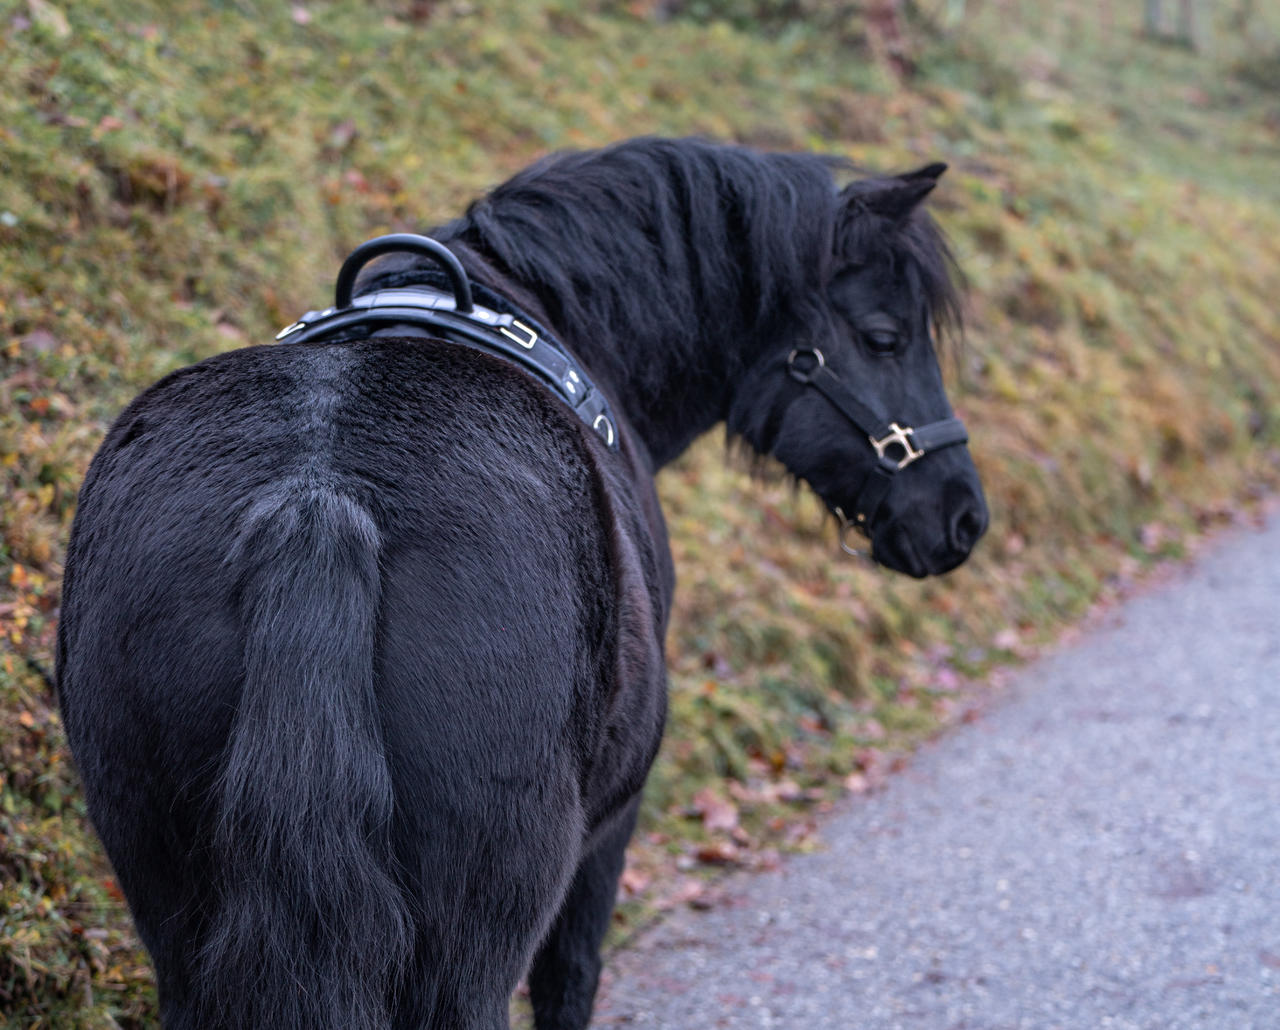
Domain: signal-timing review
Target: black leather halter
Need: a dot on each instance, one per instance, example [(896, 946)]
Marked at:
[(422, 310), (896, 446)]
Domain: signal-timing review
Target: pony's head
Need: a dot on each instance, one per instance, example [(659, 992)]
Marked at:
[(861, 414)]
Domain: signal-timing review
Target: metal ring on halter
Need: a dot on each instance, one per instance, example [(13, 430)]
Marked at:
[(847, 524), (800, 375)]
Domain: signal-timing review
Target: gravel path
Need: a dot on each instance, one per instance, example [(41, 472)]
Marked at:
[(1100, 850)]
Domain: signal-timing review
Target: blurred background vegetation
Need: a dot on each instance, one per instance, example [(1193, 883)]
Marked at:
[(181, 178)]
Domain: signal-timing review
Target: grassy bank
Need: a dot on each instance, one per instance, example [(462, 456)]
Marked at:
[(180, 179)]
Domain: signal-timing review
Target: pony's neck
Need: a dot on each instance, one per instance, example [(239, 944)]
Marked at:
[(669, 391), (669, 396)]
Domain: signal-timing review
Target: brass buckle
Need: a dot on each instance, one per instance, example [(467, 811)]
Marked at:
[(901, 436)]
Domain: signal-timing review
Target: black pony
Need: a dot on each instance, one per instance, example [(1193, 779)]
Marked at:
[(361, 652)]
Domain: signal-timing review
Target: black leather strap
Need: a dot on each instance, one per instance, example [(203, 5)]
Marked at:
[(828, 384), (428, 312), (875, 488), (945, 433), (896, 445)]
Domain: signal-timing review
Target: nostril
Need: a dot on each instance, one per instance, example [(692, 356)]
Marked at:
[(967, 525)]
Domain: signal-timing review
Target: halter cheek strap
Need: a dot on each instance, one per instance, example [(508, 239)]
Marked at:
[(896, 446)]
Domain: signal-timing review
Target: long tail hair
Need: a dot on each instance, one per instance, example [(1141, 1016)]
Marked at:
[(309, 927)]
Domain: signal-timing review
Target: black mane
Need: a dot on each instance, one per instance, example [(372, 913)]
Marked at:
[(693, 254)]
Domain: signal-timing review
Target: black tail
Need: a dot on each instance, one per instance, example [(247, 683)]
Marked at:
[(310, 928)]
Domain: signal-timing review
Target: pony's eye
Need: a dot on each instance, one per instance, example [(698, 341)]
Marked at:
[(882, 341)]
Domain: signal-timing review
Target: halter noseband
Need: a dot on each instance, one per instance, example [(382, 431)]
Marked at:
[(896, 446)]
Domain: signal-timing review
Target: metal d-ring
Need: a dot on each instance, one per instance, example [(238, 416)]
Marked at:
[(604, 427), (846, 524), (801, 375)]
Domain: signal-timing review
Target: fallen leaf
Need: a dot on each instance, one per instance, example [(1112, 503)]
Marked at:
[(717, 812), (634, 881), (688, 891), (41, 341), (719, 852), (107, 123)]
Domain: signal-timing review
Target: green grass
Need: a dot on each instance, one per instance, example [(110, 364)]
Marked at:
[(180, 179)]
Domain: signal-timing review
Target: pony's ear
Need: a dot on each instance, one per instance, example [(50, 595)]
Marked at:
[(894, 199), (931, 171)]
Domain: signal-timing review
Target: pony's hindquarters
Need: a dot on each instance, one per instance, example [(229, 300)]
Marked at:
[(347, 684), (233, 758), (488, 739)]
